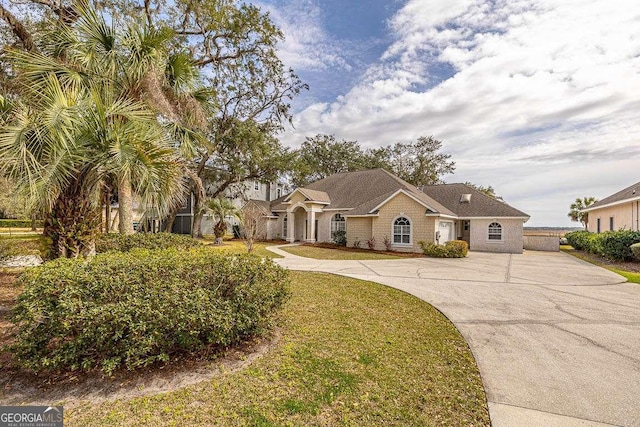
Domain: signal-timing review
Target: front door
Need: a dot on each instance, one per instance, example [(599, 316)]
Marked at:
[(466, 231)]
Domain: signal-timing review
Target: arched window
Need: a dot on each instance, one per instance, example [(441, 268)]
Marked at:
[(402, 231), (495, 231), (284, 227), (338, 223)]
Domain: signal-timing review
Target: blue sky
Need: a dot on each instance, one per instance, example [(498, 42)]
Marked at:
[(538, 98)]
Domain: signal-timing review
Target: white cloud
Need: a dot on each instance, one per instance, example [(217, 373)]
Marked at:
[(540, 89), (307, 44)]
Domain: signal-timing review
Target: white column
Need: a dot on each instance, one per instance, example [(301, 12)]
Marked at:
[(291, 227), (311, 233)]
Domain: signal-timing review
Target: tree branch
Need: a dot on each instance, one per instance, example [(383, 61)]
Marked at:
[(18, 29)]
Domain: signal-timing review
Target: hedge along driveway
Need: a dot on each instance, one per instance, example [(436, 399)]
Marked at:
[(555, 338)]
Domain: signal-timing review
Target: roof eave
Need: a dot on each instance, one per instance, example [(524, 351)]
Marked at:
[(607, 205)]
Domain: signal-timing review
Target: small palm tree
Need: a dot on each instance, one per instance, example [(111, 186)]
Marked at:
[(576, 208), (221, 209)]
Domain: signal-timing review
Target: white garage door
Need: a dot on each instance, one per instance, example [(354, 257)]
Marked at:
[(446, 232)]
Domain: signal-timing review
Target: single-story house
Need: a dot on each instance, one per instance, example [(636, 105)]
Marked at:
[(617, 212), (375, 204)]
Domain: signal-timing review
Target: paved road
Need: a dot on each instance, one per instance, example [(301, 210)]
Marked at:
[(557, 340)]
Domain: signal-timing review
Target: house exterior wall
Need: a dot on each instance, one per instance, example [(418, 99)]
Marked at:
[(272, 230), (512, 241), (422, 227), (358, 229), (625, 216)]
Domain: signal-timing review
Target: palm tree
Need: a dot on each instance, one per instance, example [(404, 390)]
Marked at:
[(577, 207), (83, 118), (221, 209)]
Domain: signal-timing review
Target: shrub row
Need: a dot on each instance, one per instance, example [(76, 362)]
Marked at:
[(451, 249), (615, 245), (128, 310), (19, 223), (124, 243)]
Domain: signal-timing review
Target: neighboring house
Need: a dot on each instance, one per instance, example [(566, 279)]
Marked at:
[(376, 204), (238, 193), (616, 212)]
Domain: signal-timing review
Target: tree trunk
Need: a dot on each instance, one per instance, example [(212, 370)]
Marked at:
[(198, 213), (33, 221), (125, 202), (107, 211), (168, 225), (73, 223)]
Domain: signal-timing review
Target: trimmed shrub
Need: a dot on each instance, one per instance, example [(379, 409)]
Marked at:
[(126, 242), (357, 244), (387, 243), (451, 249), (19, 223), (128, 310), (584, 241), (339, 237), (616, 245), (635, 249), (371, 243)]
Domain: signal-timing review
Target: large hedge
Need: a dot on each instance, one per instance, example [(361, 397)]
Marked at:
[(615, 245), (126, 242), (127, 310)]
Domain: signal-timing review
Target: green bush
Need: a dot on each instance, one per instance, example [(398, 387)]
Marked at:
[(451, 249), (126, 242), (635, 249), (616, 245), (339, 237), (128, 310), (585, 241), (19, 223)]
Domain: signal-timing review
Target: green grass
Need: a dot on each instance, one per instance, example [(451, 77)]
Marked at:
[(631, 276), (32, 244), (342, 254), (352, 353), (238, 246)]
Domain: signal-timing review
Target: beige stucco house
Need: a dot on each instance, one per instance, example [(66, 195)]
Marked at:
[(619, 211), (375, 204)]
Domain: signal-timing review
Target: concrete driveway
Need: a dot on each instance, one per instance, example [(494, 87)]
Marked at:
[(557, 340)]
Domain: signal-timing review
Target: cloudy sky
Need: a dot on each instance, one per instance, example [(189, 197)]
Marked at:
[(540, 99)]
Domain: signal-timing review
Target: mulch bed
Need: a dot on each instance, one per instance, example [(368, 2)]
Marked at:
[(632, 266), (368, 251)]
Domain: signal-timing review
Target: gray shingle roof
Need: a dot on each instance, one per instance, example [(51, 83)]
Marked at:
[(359, 190), (631, 192), (315, 195), (480, 205)]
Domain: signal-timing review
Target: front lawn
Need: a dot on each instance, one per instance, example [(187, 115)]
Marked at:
[(316, 252), (350, 353), (630, 270), (238, 246)]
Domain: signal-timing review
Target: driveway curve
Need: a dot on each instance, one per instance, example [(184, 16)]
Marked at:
[(556, 339)]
